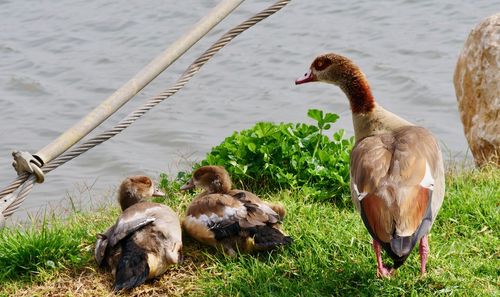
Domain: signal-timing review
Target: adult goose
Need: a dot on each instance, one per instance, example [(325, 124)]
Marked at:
[(396, 168), (145, 239), (232, 219)]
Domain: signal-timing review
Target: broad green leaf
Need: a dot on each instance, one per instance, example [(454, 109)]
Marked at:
[(331, 117), (252, 147), (315, 114)]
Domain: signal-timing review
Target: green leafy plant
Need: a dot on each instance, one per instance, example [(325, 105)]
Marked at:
[(171, 185), (288, 156)]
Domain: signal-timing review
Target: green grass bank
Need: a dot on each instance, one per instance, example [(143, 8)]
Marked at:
[(331, 255)]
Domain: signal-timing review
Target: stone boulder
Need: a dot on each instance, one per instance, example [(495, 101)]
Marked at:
[(477, 86)]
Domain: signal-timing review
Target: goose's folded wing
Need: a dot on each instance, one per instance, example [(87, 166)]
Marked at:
[(393, 177)]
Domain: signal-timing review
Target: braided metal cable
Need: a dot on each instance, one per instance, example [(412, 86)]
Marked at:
[(29, 180)]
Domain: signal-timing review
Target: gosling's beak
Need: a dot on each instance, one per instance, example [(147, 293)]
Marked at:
[(158, 193), (307, 77), (188, 186)]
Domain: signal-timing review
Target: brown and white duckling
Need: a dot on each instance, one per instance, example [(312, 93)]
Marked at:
[(231, 219), (145, 240), (397, 172)]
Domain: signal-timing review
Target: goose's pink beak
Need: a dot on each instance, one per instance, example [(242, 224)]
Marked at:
[(307, 77)]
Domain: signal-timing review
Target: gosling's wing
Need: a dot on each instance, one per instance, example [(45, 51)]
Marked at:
[(102, 244), (131, 220), (259, 212), (212, 217)]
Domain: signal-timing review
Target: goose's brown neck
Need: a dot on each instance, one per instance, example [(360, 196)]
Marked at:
[(359, 94), (368, 117)]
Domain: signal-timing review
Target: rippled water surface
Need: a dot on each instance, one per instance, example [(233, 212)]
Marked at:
[(60, 59)]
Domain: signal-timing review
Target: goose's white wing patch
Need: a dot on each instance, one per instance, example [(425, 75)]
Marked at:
[(428, 180)]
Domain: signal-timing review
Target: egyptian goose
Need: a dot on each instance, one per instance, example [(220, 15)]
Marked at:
[(396, 168), (145, 240), (228, 218)]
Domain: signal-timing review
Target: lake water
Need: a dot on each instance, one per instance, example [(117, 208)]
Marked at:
[(60, 59)]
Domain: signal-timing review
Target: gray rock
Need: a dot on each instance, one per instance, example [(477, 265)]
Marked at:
[(477, 86)]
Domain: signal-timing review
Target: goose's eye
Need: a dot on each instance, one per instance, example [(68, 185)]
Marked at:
[(322, 63)]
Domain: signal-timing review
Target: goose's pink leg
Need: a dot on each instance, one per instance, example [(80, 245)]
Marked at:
[(423, 250), (382, 271)]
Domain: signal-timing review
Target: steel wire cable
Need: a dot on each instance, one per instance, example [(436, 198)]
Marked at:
[(27, 180)]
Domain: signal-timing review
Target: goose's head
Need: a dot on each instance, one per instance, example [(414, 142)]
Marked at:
[(135, 189), (342, 72), (330, 68), (213, 179)]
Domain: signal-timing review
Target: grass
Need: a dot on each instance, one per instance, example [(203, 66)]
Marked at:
[(331, 254)]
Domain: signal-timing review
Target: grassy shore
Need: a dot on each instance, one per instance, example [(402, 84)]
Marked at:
[(331, 254)]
